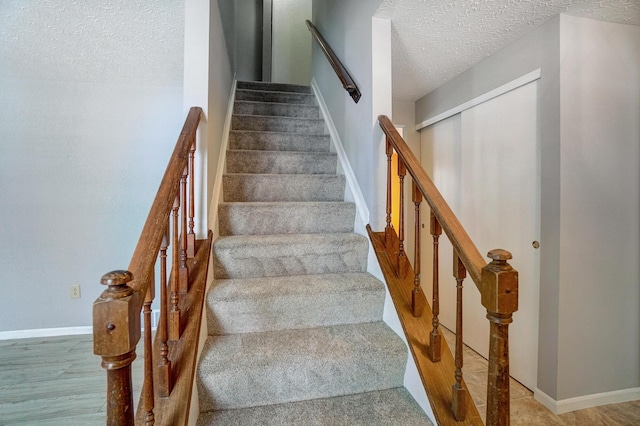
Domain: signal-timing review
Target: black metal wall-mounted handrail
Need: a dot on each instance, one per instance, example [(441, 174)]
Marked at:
[(346, 80)]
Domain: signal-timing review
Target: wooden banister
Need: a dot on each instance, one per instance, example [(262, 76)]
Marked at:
[(117, 312), (497, 282), (469, 253), (346, 80)]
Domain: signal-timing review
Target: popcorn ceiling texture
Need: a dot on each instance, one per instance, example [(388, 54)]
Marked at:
[(140, 41), (434, 41)]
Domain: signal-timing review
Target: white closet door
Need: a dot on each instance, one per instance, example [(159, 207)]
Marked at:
[(440, 156), (485, 162), (500, 209)]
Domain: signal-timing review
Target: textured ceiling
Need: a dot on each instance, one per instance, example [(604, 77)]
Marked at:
[(116, 41), (436, 40)]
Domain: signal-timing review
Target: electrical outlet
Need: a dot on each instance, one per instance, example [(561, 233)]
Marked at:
[(75, 291)]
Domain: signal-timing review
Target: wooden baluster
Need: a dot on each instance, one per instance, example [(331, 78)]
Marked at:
[(458, 402), (164, 366), (500, 297), (418, 300), (435, 338), (149, 418), (174, 313), (116, 332), (388, 230), (191, 236), (403, 263), (184, 270)]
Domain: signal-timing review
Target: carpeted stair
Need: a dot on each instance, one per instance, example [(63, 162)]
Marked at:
[(295, 322)]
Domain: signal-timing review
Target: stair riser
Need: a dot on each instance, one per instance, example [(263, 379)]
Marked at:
[(285, 218), (306, 126), (279, 162), (277, 97), (251, 187), (299, 365), (272, 87), (281, 303), (302, 255), (386, 407), (273, 109), (278, 141)]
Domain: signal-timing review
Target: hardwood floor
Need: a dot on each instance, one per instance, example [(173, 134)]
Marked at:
[(58, 381), (54, 381), (527, 411)]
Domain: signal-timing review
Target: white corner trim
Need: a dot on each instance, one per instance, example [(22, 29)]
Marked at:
[(222, 158), (587, 401), (45, 332), (501, 90), (361, 205)]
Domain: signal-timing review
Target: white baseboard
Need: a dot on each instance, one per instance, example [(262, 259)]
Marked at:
[(45, 332), (65, 331), (587, 401), (222, 158), (352, 183)]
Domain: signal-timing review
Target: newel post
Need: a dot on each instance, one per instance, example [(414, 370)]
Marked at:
[(500, 297), (116, 331)]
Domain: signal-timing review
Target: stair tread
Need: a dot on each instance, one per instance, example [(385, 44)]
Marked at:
[(249, 305), (285, 217), (245, 256), (282, 187), (246, 101), (280, 162), (267, 86), (239, 288), (283, 92), (294, 365), (392, 407)]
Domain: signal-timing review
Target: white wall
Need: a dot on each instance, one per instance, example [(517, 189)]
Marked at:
[(347, 27), (90, 110), (600, 211), (291, 42)]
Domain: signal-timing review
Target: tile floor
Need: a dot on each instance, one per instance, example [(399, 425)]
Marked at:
[(58, 381), (527, 411)]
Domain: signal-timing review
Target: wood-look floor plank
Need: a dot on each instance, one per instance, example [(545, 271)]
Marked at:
[(51, 408)]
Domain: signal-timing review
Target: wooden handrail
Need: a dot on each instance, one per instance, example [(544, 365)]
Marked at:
[(468, 252), (116, 313), (497, 282), (145, 253), (346, 80)]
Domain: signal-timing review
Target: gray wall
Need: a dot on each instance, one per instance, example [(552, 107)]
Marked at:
[(347, 27), (90, 110), (589, 304), (599, 322), (242, 23), (291, 42)]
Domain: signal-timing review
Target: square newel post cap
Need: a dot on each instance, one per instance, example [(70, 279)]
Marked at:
[(499, 284), (116, 316)]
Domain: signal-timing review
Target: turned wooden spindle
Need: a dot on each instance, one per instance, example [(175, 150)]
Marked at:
[(116, 332), (191, 236), (388, 230), (174, 313), (403, 262), (435, 338), (183, 278), (500, 298), (458, 402), (149, 418), (418, 300), (164, 364)]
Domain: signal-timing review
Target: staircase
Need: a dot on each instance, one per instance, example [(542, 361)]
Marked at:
[(294, 320)]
